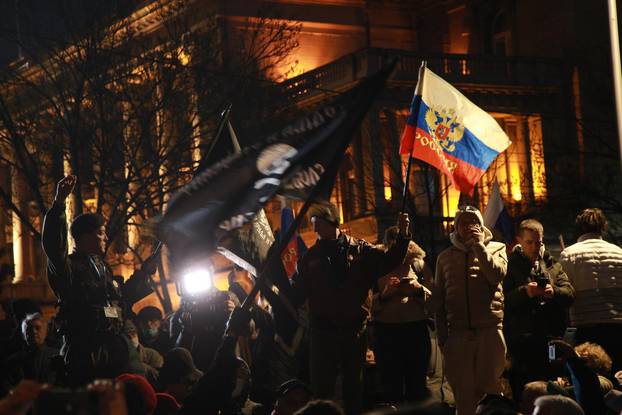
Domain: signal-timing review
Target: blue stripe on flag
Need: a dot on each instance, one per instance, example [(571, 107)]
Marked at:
[(287, 218), (413, 105), (506, 226)]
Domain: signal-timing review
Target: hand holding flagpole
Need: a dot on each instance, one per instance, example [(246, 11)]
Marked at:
[(408, 136)]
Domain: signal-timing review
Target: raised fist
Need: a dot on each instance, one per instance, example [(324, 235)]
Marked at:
[(64, 188)]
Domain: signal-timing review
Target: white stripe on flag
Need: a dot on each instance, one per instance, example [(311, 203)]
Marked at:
[(440, 93), (494, 207)]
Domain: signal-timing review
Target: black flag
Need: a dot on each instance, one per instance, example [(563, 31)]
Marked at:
[(248, 246), (228, 195)]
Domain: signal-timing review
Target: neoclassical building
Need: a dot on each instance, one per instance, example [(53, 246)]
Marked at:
[(530, 64)]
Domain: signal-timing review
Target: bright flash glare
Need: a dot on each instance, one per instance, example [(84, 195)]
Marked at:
[(197, 281)]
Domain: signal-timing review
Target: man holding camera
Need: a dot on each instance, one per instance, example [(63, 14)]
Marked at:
[(537, 297), (468, 302), (91, 303)]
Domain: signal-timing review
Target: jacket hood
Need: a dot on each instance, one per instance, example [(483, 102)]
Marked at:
[(544, 254), (455, 238)]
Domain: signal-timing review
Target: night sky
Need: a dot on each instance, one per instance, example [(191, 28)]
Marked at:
[(8, 51), (45, 21)]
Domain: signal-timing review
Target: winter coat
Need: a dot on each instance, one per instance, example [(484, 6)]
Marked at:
[(399, 308), (467, 291), (337, 280), (525, 315), (594, 267)]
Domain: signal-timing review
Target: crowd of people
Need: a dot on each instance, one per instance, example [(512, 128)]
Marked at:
[(354, 331)]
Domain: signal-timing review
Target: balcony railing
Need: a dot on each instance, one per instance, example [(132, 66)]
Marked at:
[(457, 69)]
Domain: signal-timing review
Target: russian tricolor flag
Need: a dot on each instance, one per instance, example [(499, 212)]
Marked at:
[(496, 216), (449, 132), (295, 247)]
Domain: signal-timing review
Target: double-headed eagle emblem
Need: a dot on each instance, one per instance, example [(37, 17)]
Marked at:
[(445, 127)]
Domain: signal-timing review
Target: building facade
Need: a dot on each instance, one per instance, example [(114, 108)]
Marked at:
[(539, 68)]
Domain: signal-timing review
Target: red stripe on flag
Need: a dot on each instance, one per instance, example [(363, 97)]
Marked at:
[(426, 149), (290, 257), (463, 175), (408, 140)]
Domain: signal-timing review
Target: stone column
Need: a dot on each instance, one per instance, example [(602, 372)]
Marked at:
[(23, 242), (6, 256)]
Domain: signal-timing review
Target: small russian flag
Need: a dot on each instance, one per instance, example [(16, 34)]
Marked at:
[(295, 247), (496, 216), (449, 132)]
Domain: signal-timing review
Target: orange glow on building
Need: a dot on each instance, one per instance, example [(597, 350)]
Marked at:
[(318, 44), (450, 199), (388, 192), (538, 172), (515, 179), (18, 252), (183, 56), (511, 168)]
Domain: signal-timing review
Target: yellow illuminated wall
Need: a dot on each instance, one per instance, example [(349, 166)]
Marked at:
[(450, 198), (538, 172), (458, 31), (386, 172), (520, 170)]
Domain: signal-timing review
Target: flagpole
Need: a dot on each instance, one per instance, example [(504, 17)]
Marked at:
[(415, 111), (615, 63), (261, 281), (224, 119), (234, 138), (282, 243), (331, 170)]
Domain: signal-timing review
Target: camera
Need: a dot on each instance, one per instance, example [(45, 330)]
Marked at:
[(209, 310), (542, 280), (539, 276)]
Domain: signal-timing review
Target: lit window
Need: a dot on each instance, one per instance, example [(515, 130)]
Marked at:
[(450, 197), (388, 193)]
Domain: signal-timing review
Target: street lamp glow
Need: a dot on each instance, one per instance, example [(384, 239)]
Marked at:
[(197, 281)]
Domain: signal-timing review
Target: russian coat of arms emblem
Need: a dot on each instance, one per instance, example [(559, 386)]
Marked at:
[(445, 127)]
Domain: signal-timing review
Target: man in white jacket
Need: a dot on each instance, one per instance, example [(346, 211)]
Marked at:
[(467, 300), (594, 267)]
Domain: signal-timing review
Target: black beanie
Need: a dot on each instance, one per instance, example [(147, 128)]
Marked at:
[(85, 223)]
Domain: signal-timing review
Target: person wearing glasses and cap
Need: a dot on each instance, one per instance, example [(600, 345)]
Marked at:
[(467, 300), (335, 276)]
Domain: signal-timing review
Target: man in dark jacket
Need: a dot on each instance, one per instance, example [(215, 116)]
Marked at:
[(537, 297), (335, 275), (91, 303), (36, 361)]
